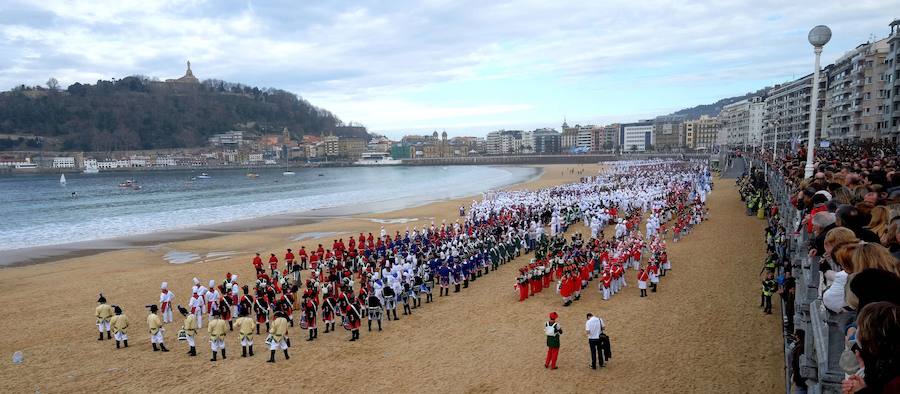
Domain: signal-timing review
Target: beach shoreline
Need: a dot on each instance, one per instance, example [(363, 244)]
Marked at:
[(48, 253)]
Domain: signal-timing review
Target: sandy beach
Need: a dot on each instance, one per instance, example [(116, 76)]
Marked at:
[(702, 332)]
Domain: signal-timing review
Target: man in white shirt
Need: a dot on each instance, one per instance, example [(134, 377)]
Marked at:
[(594, 327)]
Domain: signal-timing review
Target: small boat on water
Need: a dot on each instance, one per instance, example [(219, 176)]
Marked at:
[(252, 175), (127, 183), (288, 173), (377, 159), (62, 179), (203, 175)]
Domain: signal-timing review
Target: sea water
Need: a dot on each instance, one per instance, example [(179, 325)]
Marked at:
[(37, 211)]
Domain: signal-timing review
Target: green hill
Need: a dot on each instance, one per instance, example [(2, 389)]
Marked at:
[(139, 113)]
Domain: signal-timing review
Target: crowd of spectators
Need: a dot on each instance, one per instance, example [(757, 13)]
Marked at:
[(851, 212)]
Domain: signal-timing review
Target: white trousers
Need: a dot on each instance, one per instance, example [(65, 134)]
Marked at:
[(157, 338), (198, 314), (642, 284), (190, 341), (248, 341), (280, 344), (103, 326), (167, 315), (216, 345), (606, 293), (120, 336)]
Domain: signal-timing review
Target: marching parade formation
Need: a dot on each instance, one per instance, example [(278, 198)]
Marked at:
[(371, 276), (663, 192)]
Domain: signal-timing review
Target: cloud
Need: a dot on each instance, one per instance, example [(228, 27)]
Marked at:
[(394, 65)]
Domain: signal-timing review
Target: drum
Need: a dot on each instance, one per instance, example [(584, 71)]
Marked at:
[(303, 323), (269, 340), (182, 335), (347, 325)]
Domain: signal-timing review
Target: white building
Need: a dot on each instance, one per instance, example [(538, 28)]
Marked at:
[(584, 137), (527, 142), (636, 137), (742, 122), (63, 162), (255, 157), (164, 161)]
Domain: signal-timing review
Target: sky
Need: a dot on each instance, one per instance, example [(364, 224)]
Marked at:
[(467, 67)]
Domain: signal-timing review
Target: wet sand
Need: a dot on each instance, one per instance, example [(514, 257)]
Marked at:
[(701, 333)]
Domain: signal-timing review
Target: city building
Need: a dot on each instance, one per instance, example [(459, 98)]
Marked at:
[(584, 137), (855, 94), (351, 148), (742, 122), (434, 146), (568, 137), (787, 111), (636, 137), (545, 141), (891, 79), (610, 136), (228, 139), (64, 162), (668, 133), (701, 134), (504, 142)]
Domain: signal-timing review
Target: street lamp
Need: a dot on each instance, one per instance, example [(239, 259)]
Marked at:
[(818, 37)]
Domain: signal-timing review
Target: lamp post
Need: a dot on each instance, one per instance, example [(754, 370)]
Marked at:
[(818, 37)]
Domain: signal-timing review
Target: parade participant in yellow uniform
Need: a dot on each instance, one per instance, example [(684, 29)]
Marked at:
[(190, 329), (217, 330), (103, 313), (245, 325), (279, 331), (156, 329), (119, 324)]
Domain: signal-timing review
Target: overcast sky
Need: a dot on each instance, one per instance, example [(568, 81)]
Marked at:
[(467, 67)]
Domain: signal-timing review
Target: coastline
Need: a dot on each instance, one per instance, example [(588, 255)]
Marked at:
[(48, 253)]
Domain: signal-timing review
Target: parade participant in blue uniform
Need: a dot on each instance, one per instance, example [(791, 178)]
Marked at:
[(457, 276), (444, 272)]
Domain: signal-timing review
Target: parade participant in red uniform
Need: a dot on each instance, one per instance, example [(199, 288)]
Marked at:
[(258, 264), (643, 276), (607, 284), (553, 330), (310, 313), (522, 284), (289, 259), (303, 256), (273, 263)]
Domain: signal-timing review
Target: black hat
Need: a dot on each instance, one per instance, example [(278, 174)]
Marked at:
[(182, 310), (117, 310), (153, 308), (102, 299)]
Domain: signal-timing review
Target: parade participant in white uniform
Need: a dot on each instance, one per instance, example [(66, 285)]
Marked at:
[(196, 305), (165, 302), (212, 298)]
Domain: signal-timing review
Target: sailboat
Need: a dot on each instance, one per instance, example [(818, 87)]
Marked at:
[(62, 179), (287, 170)]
